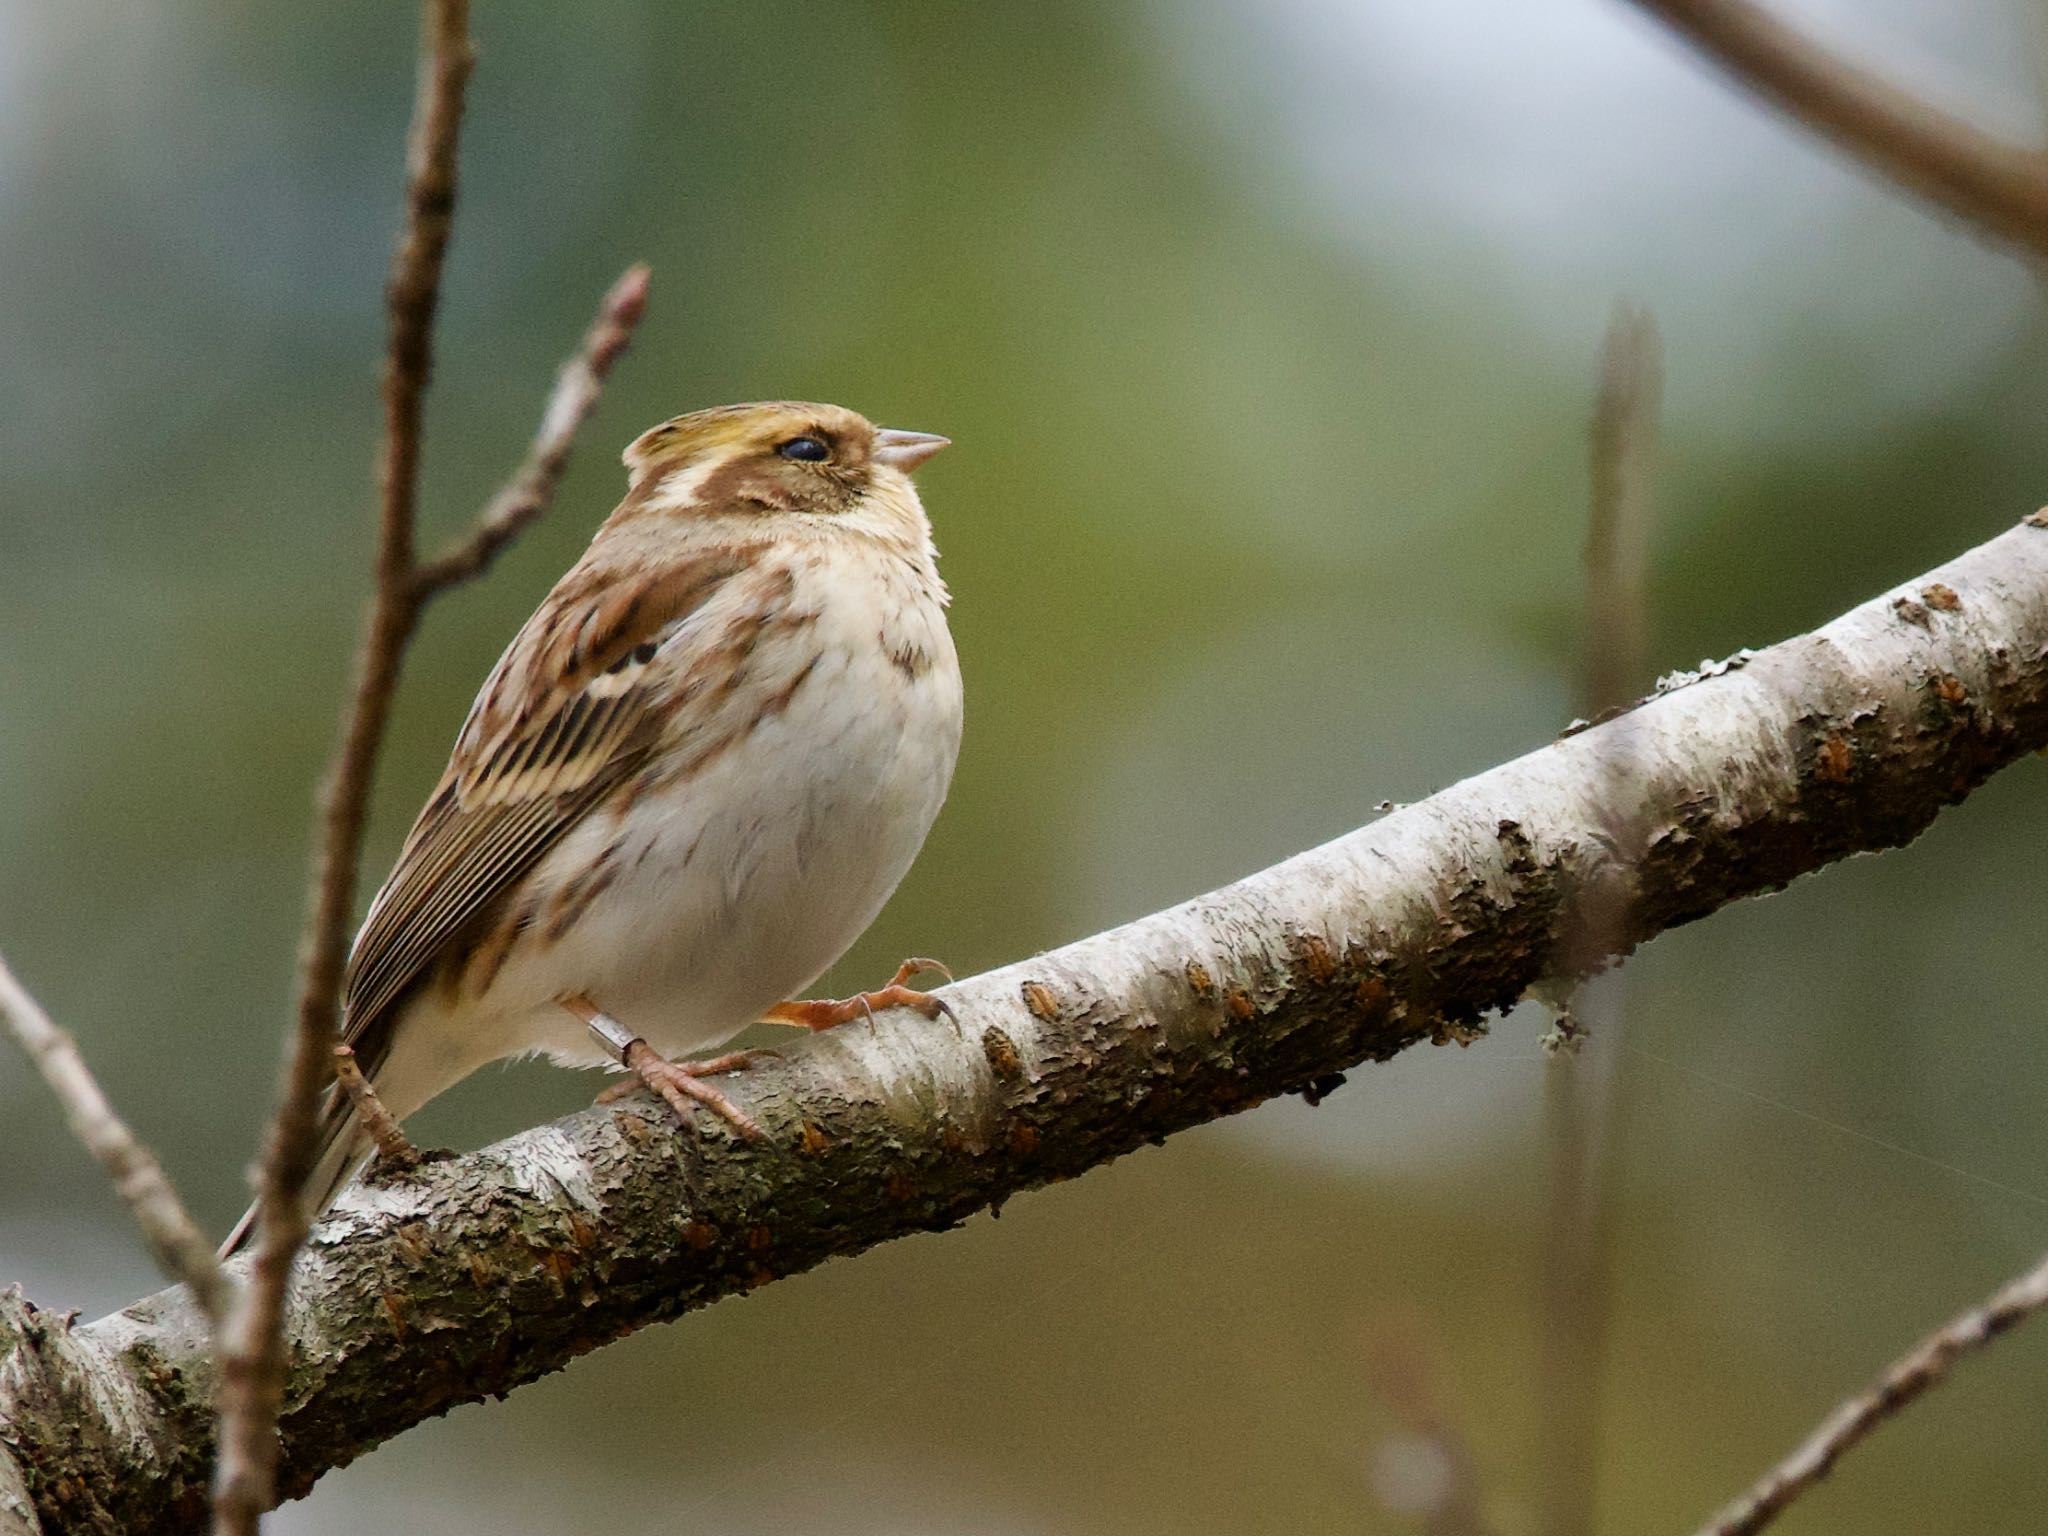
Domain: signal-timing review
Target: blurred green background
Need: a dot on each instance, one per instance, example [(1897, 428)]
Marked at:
[(1266, 331)]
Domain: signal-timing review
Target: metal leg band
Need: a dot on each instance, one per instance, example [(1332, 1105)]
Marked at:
[(612, 1035)]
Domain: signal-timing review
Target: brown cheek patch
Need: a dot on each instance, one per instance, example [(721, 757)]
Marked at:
[(745, 482)]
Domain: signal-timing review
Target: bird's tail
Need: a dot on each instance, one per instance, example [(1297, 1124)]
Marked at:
[(341, 1153)]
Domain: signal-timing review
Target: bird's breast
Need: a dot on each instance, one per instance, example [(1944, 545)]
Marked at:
[(754, 851)]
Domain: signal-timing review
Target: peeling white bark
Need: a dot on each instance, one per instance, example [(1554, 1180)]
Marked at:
[(17, 1514), (475, 1275)]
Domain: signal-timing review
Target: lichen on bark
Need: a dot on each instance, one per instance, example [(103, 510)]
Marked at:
[(475, 1275)]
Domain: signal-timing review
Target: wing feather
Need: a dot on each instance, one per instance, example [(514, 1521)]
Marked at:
[(562, 720)]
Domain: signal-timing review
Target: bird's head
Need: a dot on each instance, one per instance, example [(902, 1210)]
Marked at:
[(773, 456)]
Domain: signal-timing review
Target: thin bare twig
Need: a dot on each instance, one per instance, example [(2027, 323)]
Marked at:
[(533, 484), (252, 1354), (1924, 1366), (180, 1249), (253, 1362), (1999, 188), (1580, 1085), (395, 1150)]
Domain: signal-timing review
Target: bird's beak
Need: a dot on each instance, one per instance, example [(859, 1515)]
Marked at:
[(906, 450)]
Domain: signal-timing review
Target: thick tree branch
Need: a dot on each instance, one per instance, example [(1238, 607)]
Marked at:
[(476, 1275), (2000, 188), (17, 1510), (1927, 1364)]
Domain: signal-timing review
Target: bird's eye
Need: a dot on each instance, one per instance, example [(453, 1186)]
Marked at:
[(809, 449)]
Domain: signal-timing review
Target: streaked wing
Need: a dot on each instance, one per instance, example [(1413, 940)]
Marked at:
[(562, 720)]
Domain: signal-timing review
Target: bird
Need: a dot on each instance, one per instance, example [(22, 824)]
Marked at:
[(689, 784)]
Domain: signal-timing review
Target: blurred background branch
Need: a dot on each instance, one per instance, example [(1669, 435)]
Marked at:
[(1582, 1076), (1926, 1365), (488, 1271), (1614, 659), (1424, 1472), (1998, 189)]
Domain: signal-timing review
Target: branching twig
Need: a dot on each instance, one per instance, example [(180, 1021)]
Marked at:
[(252, 1355), (532, 486), (395, 1151), (181, 1251), (1925, 1365), (1580, 1081), (252, 1365), (2000, 188)]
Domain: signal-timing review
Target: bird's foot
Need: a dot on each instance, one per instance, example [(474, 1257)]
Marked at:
[(680, 1083), (826, 1013), (731, 1061)]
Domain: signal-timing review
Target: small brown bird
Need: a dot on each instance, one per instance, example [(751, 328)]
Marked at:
[(689, 784)]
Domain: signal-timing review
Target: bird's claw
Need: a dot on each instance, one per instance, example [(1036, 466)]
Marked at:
[(826, 1013)]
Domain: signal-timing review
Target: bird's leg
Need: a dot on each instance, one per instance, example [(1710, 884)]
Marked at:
[(679, 1082), (824, 1013)]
